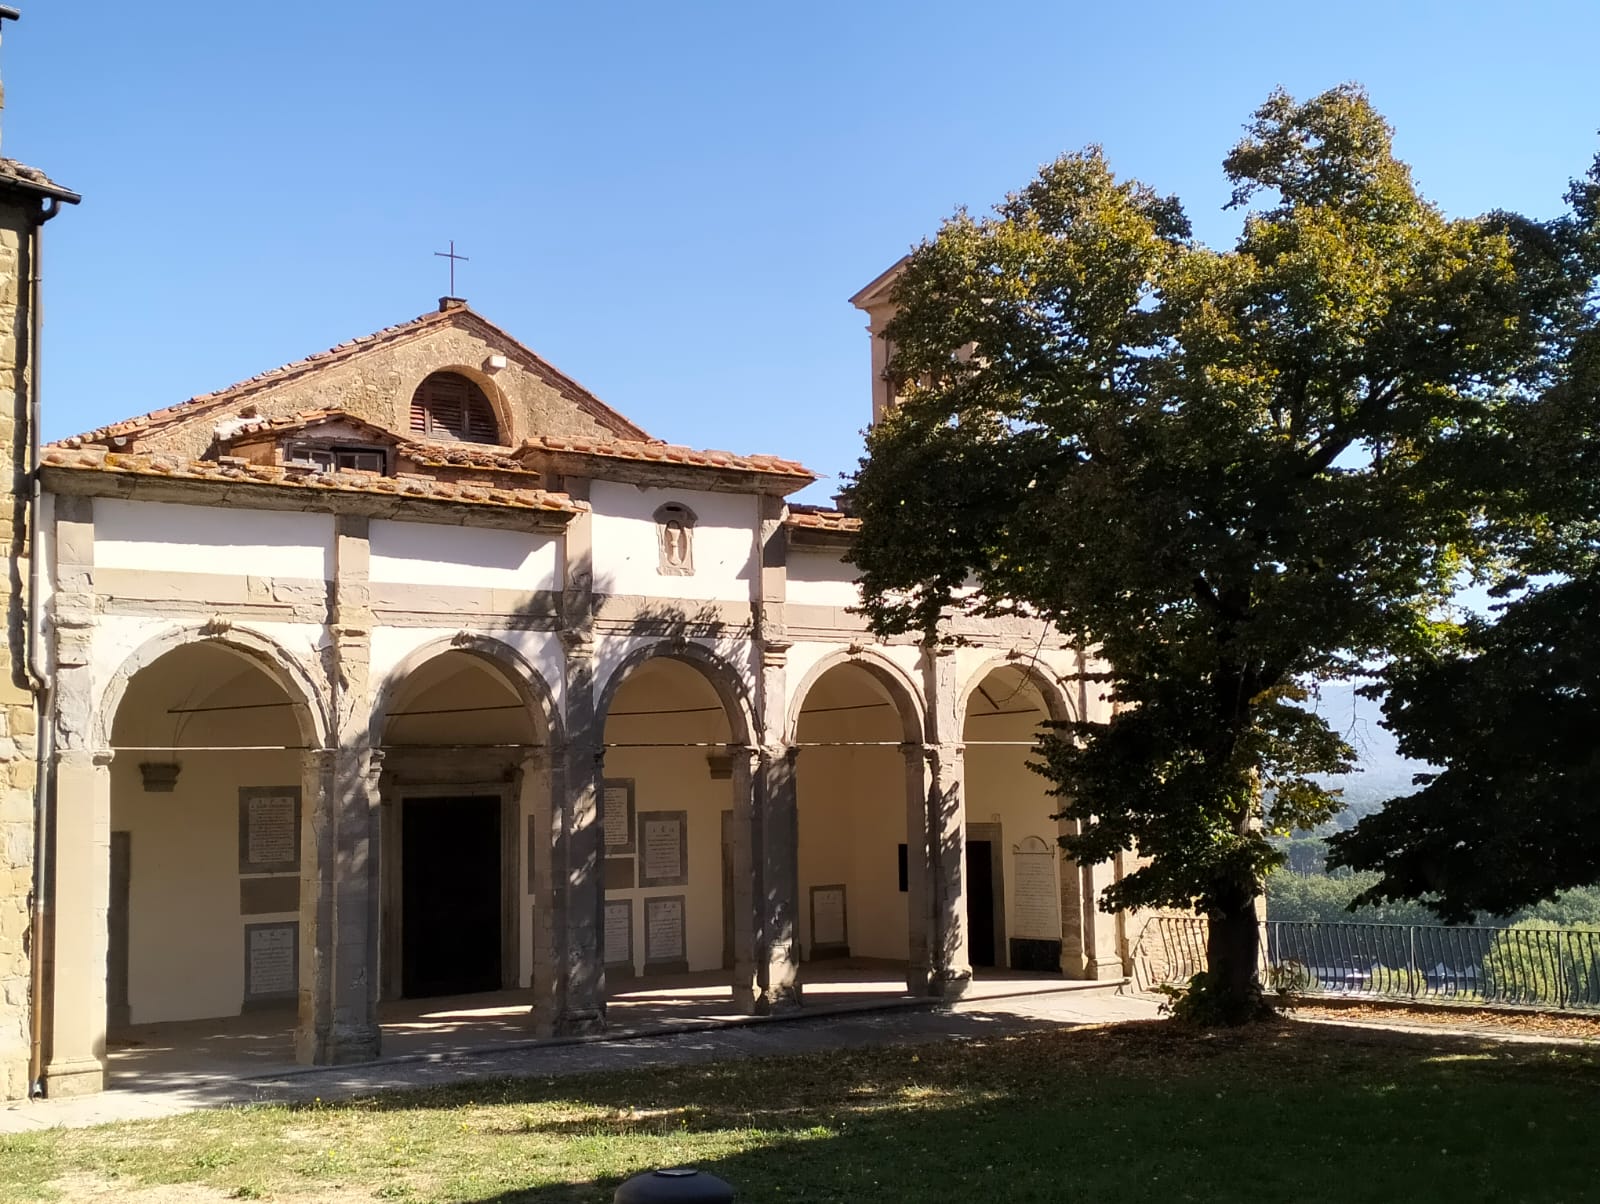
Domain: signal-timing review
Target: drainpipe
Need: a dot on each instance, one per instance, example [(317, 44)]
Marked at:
[(41, 674)]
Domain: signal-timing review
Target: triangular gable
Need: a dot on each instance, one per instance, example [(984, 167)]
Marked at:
[(364, 379)]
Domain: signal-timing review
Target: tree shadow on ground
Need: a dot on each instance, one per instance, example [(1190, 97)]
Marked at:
[(1287, 1110)]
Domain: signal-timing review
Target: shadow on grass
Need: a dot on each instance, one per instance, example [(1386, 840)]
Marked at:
[(1284, 1110)]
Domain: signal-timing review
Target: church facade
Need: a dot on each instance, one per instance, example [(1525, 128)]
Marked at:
[(414, 669)]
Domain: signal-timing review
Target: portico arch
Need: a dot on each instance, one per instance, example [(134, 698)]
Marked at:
[(1024, 898), (464, 728), (677, 748), (208, 734), (863, 856)]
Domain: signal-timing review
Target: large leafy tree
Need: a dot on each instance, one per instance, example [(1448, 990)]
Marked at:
[(1511, 712), (1232, 473)]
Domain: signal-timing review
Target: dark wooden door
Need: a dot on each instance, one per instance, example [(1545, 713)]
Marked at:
[(450, 896), (727, 890), (118, 1010), (980, 903)]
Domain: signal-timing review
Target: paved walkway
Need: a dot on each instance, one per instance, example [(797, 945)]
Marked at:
[(896, 1022)]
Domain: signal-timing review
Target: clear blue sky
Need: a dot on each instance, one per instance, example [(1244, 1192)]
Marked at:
[(672, 202)]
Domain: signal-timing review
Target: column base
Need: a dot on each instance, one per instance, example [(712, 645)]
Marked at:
[(579, 1024), (949, 985), (74, 1076), (339, 1046), (1103, 969)]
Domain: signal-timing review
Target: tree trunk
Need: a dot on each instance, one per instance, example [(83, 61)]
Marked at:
[(1233, 950)]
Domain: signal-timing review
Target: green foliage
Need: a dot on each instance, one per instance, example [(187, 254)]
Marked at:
[(1514, 817), (1232, 473), (1539, 968), (1328, 899), (1206, 1000), (1511, 710)]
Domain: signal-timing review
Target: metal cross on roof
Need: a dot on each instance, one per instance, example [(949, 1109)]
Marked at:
[(452, 257)]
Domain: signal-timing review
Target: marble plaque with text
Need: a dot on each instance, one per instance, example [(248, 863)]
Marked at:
[(663, 848), (269, 829), (616, 815), (829, 926), (1035, 897), (619, 933), (664, 931), (271, 962)]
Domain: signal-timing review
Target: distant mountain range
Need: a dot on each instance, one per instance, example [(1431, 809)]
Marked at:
[(1384, 773)]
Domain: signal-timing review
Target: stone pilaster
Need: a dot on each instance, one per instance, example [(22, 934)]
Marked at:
[(919, 872), (772, 913), (538, 790), (338, 1020), (76, 1058), (579, 888), (79, 886)]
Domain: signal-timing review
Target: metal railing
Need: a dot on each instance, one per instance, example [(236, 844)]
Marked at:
[(1541, 968)]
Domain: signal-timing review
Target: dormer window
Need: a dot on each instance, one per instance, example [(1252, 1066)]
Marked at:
[(331, 457), (448, 405)]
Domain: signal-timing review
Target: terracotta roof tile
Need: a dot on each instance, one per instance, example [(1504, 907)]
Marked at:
[(821, 518), (629, 449), (34, 180), (291, 477)]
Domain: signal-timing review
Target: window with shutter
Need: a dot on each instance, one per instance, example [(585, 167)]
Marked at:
[(449, 406)]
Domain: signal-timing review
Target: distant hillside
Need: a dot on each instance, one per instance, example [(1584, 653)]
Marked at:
[(1384, 773)]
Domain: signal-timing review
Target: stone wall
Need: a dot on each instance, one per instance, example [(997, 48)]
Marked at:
[(376, 385), (17, 728)]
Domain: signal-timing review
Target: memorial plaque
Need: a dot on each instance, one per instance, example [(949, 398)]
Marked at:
[(830, 931), (616, 814), (664, 948), (619, 934), (663, 848), (1036, 900), (269, 829), (271, 962)]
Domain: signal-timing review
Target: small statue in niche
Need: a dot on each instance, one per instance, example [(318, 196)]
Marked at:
[(675, 537)]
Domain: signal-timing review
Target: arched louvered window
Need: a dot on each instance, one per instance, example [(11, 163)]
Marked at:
[(449, 406)]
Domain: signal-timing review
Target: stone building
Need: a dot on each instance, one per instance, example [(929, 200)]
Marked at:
[(28, 199), (415, 669)]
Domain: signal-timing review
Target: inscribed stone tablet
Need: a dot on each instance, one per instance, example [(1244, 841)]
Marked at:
[(828, 916), (663, 848), (619, 933), (269, 829), (271, 960), (616, 814), (1036, 902), (663, 929)]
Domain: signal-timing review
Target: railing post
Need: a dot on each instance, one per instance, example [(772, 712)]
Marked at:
[(1411, 958)]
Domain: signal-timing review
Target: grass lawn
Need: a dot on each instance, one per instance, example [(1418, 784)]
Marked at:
[(1146, 1111)]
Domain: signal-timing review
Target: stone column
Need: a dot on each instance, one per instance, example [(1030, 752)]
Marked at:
[(339, 901), (539, 793), (76, 1059), (919, 872), (949, 964), (773, 873), (79, 885), (776, 878)]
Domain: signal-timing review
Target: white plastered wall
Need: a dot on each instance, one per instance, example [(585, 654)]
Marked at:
[(626, 550), (427, 554), (819, 577), (199, 539)]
